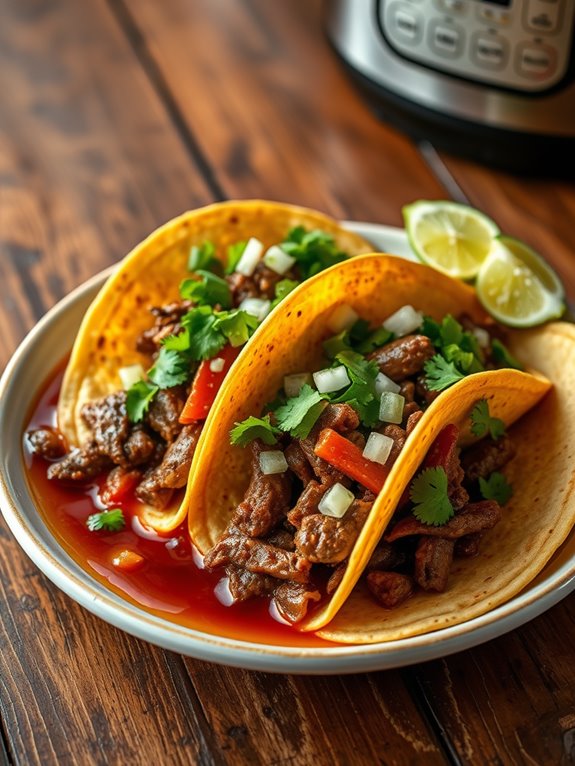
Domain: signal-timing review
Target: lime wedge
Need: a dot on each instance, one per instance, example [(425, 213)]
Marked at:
[(453, 238), (517, 287)]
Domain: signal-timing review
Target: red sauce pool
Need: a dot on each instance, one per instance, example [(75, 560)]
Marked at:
[(170, 584)]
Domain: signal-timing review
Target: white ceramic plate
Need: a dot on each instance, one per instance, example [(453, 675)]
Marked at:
[(51, 339)]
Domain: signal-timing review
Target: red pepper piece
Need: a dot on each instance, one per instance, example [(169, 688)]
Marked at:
[(206, 386), (347, 458)]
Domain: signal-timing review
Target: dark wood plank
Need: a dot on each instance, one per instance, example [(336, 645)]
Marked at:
[(286, 123)]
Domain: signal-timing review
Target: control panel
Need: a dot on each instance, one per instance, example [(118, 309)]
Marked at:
[(519, 44)]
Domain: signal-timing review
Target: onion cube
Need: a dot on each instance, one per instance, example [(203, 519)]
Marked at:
[(277, 260), (273, 461), (293, 384), (403, 321), (383, 383), (378, 447), (131, 374), (258, 307), (336, 501), (342, 318), (217, 364), (250, 257), (331, 379), (482, 336), (391, 407)]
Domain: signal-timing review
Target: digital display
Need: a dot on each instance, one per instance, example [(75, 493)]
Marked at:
[(505, 3)]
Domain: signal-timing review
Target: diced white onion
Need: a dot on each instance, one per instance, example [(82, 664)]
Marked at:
[(294, 383), (258, 307), (277, 260), (331, 379), (130, 375), (217, 364), (336, 501), (391, 407), (342, 318), (482, 336), (378, 447), (403, 321), (250, 257), (273, 461), (383, 383)]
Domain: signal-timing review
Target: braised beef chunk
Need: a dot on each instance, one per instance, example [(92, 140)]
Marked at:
[(47, 442), (424, 394), (261, 284), (150, 493), (281, 538), (307, 503), (327, 540), (118, 483), (403, 357), (139, 447), (335, 578), (385, 556), (475, 517), (244, 585), (433, 559), (166, 322), (107, 418), (80, 465), (267, 499), (389, 588), (259, 557), (164, 413), (292, 600), (339, 417), (412, 420), (398, 435), (298, 462), (480, 460), (455, 475), (468, 546), (173, 471)]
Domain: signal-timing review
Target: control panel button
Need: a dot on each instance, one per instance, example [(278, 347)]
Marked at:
[(490, 51), (446, 39), (491, 15), (538, 62), (452, 6), (542, 15), (406, 24)]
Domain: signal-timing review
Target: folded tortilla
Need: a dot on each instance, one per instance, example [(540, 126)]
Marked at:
[(150, 276), (375, 286)]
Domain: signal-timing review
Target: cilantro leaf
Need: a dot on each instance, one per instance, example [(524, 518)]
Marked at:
[(109, 521), (440, 374), (379, 337), (429, 494), (171, 368), (431, 329), (204, 257), (496, 487), (254, 428), (138, 399), (461, 359), (205, 339), (209, 290), (361, 394), (299, 414), (483, 423), (237, 326), (337, 343), (235, 252), (179, 342), (450, 332), (502, 355), (313, 250), (283, 288)]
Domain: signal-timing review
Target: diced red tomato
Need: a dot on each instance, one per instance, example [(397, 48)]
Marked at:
[(127, 560), (206, 386), (118, 484), (348, 458)]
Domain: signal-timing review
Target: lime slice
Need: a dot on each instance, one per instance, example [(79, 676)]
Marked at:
[(517, 287), (453, 238)]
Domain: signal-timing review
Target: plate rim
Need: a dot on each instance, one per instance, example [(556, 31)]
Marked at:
[(72, 579)]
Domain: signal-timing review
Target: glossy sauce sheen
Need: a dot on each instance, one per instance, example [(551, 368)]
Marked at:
[(169, 584)]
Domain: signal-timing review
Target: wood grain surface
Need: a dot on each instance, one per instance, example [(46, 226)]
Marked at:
[(115, 116)]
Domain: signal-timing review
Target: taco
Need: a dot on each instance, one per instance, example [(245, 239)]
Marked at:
[(161, 335), (340, 400)]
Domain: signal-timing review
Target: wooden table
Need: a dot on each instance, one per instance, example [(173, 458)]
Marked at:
[(116, 115)]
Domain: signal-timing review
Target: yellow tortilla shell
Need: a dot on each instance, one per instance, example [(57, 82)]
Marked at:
[(374, 286), (150, 276), (536, 521)]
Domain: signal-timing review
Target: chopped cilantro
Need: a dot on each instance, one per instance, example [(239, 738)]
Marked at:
[(337, 343), (483, 423), (361, 393), (179, 342), (450, 332), (496, 487), (171, 368), (299, 414), (237, 326), (313, 250), (429, 494), (283, 288), (254, 428), (456, 345), (138, 399), (108, 521), (205, 339), (204, 257), (379, 337), (235, 252), (440, 374), (463, 360), (209, 290), (502, 355)]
